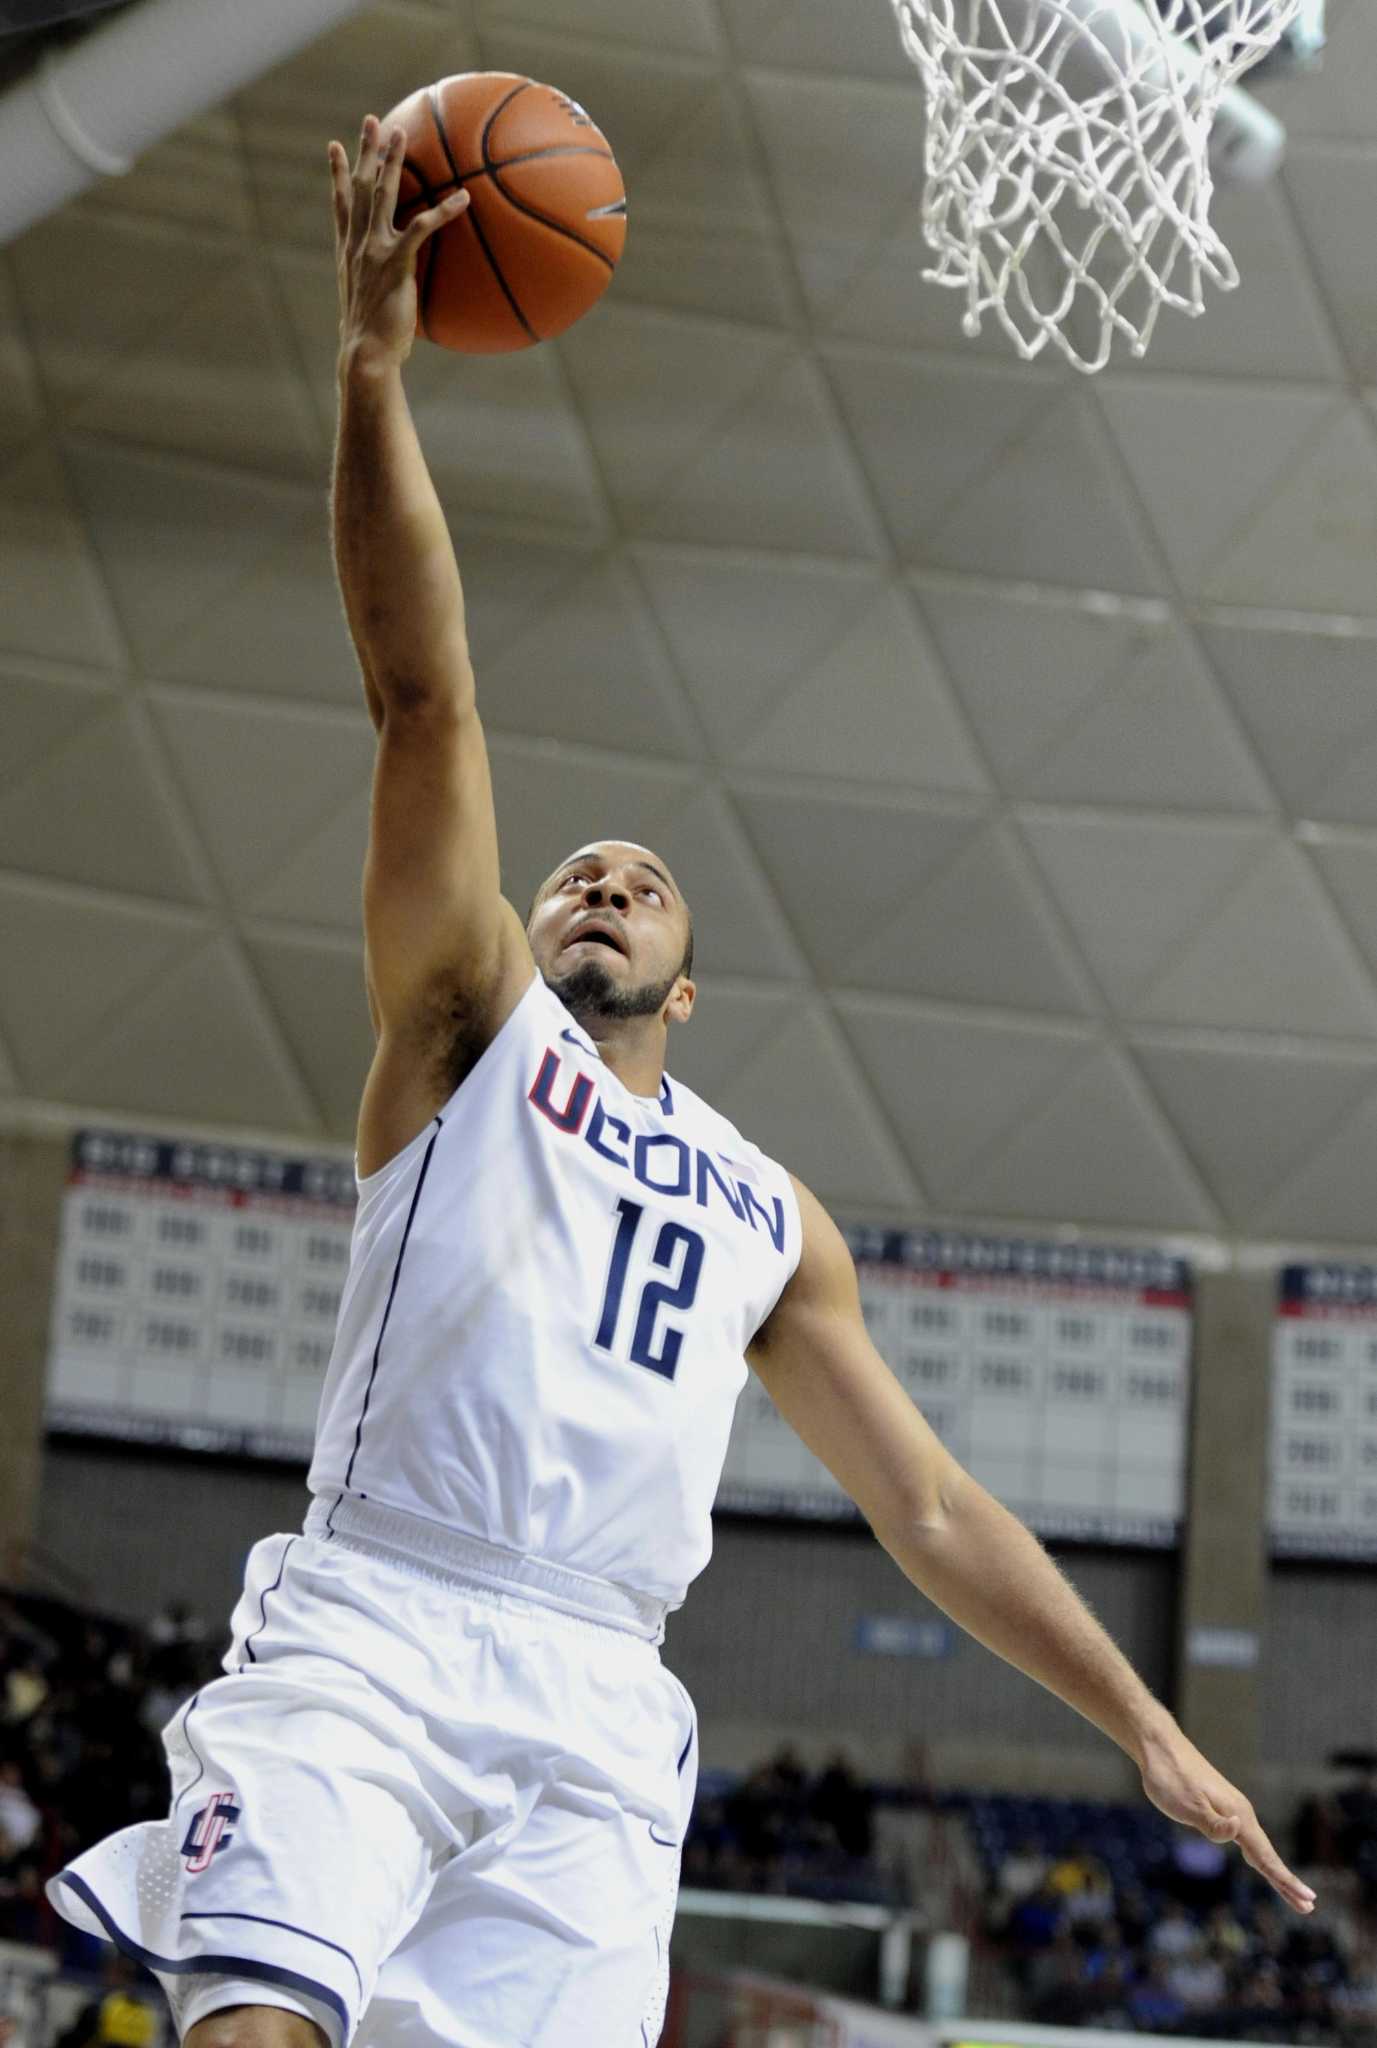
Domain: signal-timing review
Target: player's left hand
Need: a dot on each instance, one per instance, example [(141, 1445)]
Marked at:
[(1185, 1786)]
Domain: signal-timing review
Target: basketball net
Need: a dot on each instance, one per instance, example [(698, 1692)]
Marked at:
[(1067, 159)]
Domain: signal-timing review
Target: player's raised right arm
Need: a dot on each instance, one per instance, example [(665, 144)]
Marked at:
[(437, 928)]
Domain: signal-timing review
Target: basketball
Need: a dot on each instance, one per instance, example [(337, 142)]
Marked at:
[(546, 220)]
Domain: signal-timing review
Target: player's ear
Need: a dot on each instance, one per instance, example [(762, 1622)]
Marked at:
[(679, 1008)]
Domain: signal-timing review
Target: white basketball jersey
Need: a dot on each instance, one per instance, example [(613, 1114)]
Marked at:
[(550, 1292)]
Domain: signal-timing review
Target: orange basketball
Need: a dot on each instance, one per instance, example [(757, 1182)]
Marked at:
[(546, 218)]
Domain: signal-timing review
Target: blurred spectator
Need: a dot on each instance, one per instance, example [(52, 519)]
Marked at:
[(1153, 2005), (1021, 1872), (19, 1817), (1174, 1933), (126, 2015), (840, 1801)]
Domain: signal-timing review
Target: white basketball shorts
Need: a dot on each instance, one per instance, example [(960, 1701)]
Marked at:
[(437, 1798)]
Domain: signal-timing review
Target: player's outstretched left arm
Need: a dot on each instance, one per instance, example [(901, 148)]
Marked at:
[(964, 1550)]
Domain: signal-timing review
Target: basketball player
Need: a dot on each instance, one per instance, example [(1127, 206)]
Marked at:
[(439, 1794)]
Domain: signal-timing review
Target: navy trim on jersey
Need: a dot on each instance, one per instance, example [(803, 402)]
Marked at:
[(263, 1610), (391, 1294), (683, 1754), (186, 1736), (229, 1966), (262, 1920), (666, 1095)]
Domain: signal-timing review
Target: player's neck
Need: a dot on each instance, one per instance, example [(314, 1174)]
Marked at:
[(633, 1047)]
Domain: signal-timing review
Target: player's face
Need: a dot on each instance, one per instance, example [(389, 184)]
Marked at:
[(609, 931)]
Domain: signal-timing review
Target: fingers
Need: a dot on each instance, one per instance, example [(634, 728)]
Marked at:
[(389, 177), (365, 177), (1259, 1853), (423, 225), (339, 189)]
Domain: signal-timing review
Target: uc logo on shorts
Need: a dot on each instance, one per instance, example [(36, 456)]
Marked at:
[(211, 1830)]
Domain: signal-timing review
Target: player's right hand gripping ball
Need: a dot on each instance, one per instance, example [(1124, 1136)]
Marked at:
[(546, 219)]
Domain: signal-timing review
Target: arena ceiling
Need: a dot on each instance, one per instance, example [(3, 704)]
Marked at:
[(1015, 735)]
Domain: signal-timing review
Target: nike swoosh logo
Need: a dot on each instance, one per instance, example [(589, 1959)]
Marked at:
[(574, 1039), (665, 1841)]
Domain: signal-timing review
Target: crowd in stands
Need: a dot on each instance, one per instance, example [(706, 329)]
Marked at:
[(81, 1705), (782, 1829), (1132, 1923)]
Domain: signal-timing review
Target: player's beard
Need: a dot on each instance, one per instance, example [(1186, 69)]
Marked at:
[(589, 991)]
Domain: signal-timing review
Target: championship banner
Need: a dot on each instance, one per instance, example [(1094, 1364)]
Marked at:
[(1322, 1490), (1057, 1374)]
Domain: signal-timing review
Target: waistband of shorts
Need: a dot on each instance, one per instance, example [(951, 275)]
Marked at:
[(465, 1561)]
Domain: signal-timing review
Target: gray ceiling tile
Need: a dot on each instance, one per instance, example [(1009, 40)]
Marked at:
[(927, 429), (737, 926), (1311, 544), (95, 810), (200, 1046), (57, 604), (1026, 664), (1234, 442), (551, 800), (812, 35), (146, 511), (843, 869), (315, 987), (842, 1150), (1348, 862), (1308, 699), (252, 825), (1249, 1114), (954, 1082), (77, 957), (588, 666), (999, 526), (876, 708), (980, 932), (687, 26), (1334, 192), (1330, 1196), (1272, 957), (197, 177), (741, 626), (1159, 735), (40, 708), (1098, 1153), (1335, 98), (887, 299), (1133, 889), (21, 409), (780, 466)]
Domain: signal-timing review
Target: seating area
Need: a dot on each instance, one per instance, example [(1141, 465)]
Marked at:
[(780, 1829), (1109, 1915)]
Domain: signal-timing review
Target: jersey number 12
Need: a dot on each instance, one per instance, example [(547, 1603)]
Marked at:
[(669, 1294)]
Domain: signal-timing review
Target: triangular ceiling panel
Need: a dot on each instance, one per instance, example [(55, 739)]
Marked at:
[(687, 27), (737, 926), (40, 709), (249, 829), (65, 614), (1134, 890), (842, 1151), (874, 709), (1249, 1114), (1310, 545), (1097, 1148), (145, 512), (1348, 863), (1308, 700), (1307, 978), (1026, 665), (21, 407), (1334, 193), (929, 429), (999, 524), (1157, 735), (843, 870), (1234, 441), (731, 1022), (1330, 1196), (551, 801), (779, 466), (96, 810), (979, 932), (200, 1046), (741, 626), (321, 882), (78, 956), (864, 44), (956, 1081), (315, 986), (587, 666)]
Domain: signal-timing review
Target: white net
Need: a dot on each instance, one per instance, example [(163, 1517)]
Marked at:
[(1068, 172)]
